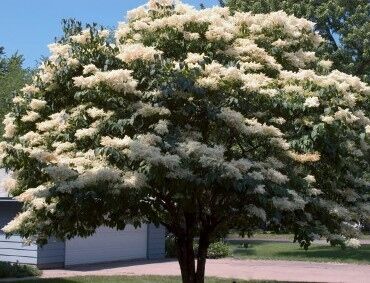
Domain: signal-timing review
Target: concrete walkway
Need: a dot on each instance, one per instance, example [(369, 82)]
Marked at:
[(295, 271)]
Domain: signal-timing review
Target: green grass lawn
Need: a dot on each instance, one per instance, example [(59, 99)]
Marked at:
[(263, 236), (292, 251), (133, 279), (275, 236)]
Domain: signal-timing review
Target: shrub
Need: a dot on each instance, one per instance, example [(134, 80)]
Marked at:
[(8, 270), (219, 250), (216, 250)]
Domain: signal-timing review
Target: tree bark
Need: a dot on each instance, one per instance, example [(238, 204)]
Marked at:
[(186, 258), (202, 257)]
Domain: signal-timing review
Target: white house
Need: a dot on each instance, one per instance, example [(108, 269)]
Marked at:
[(2, 177), (106, 245)]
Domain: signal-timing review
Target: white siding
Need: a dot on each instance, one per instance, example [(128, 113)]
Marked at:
[(156, 241), (51, 255), (107, 245), (3, 176), (12, 249)]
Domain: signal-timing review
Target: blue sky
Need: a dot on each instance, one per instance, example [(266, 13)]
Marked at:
[(27, 26)]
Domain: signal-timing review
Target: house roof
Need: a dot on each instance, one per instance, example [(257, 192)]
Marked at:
[(7, 199)]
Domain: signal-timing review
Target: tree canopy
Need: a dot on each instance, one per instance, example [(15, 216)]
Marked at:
[(12, 78), (198, 120), (344, 24)]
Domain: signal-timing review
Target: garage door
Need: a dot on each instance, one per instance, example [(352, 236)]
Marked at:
[(107, 245)]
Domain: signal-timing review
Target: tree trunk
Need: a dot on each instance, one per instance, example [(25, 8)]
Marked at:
[(202, 257), (186, 258)]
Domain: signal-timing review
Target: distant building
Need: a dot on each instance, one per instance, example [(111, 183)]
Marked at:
[(106, 245), (3, 175)]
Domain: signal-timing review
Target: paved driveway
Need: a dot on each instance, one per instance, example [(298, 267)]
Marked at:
[(232, 268)]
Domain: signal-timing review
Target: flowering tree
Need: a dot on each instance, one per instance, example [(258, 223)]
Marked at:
[(198, 120)]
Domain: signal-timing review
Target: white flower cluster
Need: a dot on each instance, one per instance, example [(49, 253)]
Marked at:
[(37, 104), (161, 127), (57, 121), (118, 80), (221, 25), (258, 212), (32, 138), (312, 102), (305, 157), (60, 173), (82, 38), (30, 89), (301, 58), (275, 176), (9, 184), (17, 222), (341, 81), (85, 132), (135, 51), (92, 177), (215, 74), (310, 179), (262, 129), (353, 243), (61, 147), (193, 59), (134, 180), (9, 126), (18, 100), (96, 113), (325, 64), (292, 26), (147, 110), (59, 50), (345, 115), (143, 148), (116, 142), (90, 69), (31, 116), (284, 203), (155, 4)]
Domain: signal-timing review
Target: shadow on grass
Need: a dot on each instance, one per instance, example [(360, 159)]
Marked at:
[(361, 254), (292, 251), (244, 252)]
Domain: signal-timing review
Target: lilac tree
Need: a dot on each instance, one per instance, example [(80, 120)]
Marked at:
[(198, 120)]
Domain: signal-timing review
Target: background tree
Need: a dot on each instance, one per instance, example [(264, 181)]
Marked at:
[(344, 24), (196, 120), (12, 77)]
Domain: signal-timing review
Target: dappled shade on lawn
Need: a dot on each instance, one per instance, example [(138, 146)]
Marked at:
[(292, 251)]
